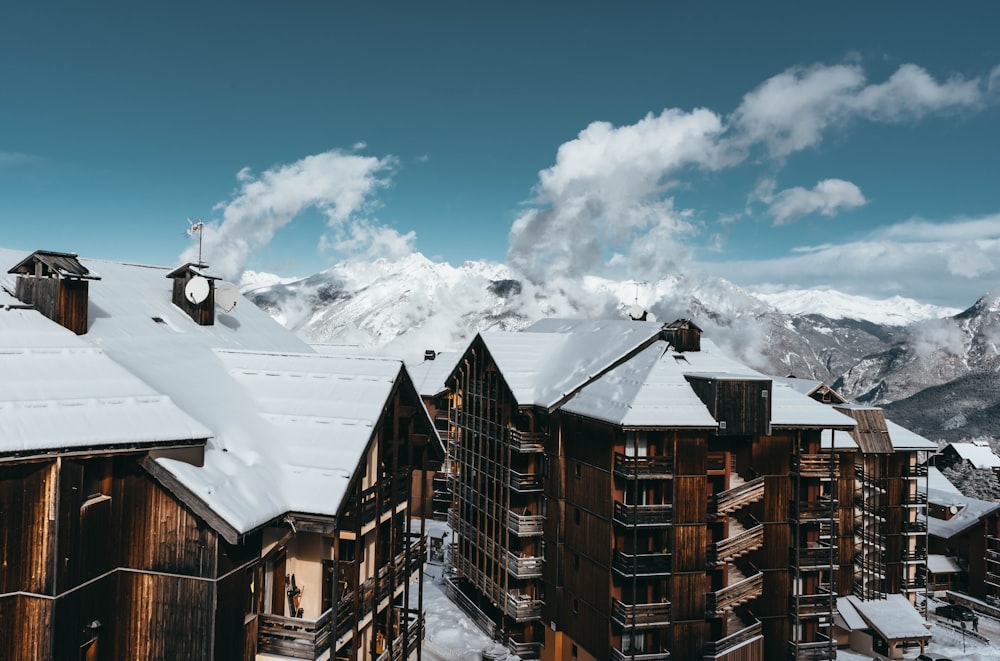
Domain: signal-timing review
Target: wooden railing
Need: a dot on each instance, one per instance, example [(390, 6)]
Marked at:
[(645, 468), (469, 608), (619, 655), (733, 499), (822, 509), (526, 441), (643, 516), (641, 564), (640, 616), (815, 557), (719, 647), (821, 606), (823, 649), (737, 545), (524, 566), (732, 596), (816, 465), (522, 607), (525, 525), (915, 471), (524, 482), (294, 637)]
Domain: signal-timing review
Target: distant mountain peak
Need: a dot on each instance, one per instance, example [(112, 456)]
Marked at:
[(832, 304)]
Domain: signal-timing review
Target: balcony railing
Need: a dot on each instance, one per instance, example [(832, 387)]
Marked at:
[(524, 482), (294, 637), (813, 557), (813, 606), (737, 497), (915, 499), (737, 545), (628, 655), (916, 583), (720, 647), (642, 564), (917, 555), (643, 468), (915, 471), (716, 603), (643, 516), (824, 649), (525, 525), (524, 567), (640, 616), (914, 527), (522, 607), (822, 509), (816, 465), (526, 441)]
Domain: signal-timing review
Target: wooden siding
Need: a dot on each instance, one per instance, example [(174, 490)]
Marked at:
[(744, 405), (26, 528), (752, 651), (689, 549), (25, 627), (688, 640), (590, 537), (62, 300), (167, 618), (690, 499), (74, 613), (202, 313)]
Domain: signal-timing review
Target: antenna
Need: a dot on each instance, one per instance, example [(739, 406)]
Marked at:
[(199, 227)]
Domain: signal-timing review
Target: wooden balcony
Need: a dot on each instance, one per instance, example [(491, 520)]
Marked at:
[(643, 516), (524, 566), (640, 616), (294, 637), (728, 598), (824, 649), (819, 607), (816, 557), (915, 528), (641, 564), (718, 648), (525, 525), (917, 499), (816, 465), (739, 496), (736, 545), (822, 509), (915, 556), (522, 607), (405, 644), (619, 655), (913, 472), (525, 441), (643, 468), (524, 482)]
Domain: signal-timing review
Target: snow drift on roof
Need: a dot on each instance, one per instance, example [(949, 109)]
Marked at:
[(980, 456), (894, 617), (429, 375), (970, 511)]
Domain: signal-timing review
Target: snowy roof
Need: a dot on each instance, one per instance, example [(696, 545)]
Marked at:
[(651, 390), (429, 376), (553, 358), (240, 378), (979, 455), (60, 393), (894, 617), (849, 617), (942, 564), (904, 439), (937, 481), (970, 511), (840, 440)]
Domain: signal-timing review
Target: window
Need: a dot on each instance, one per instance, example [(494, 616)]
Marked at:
[(346, 550), (576, 608), (576, 561), (576, 515), (574, 651), (579, 469), (96, 479)]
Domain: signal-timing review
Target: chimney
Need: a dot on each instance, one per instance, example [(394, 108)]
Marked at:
[(56, 284), (430, 354), (194, 292), (683, 335)]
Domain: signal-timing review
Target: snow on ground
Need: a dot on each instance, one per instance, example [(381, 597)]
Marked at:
[(449, 635)]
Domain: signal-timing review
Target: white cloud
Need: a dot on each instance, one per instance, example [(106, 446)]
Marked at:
[(935, 262), (792, 110), (338, 184), (827, 197)]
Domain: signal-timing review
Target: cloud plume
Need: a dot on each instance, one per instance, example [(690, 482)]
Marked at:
[(828, 197)]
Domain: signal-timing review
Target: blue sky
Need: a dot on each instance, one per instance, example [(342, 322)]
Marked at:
[(782, 146)]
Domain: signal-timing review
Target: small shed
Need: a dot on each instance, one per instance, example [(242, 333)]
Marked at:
[(683, 335), (57, 285), (200, 308)]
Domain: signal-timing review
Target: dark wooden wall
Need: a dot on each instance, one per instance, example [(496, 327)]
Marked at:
[(62, 300)]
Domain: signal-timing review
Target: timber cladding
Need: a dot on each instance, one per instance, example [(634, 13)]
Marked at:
[(27, 532), (63, 300), (25, 627)]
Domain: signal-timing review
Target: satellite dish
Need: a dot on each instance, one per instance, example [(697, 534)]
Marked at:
[(635, 311), (227, 295), (197, 290)]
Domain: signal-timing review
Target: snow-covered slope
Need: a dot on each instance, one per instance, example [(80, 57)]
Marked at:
[(895, 311)]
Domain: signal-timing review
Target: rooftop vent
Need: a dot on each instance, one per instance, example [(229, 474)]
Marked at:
[(56, 284), (194, 292)]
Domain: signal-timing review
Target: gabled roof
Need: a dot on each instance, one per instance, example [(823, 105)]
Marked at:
[(652, 390), (980, 455), (871, 434), (59, 264), (811, 387), (286, 423), (430, 376), (191, 269), (937, 481), (894, 617), (553, 358), (970, 511)]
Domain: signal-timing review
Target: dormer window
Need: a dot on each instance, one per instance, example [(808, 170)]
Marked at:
[(56, 284)]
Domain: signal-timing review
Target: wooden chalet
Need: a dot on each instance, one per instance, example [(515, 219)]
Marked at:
[(173, 489), (619, 496)]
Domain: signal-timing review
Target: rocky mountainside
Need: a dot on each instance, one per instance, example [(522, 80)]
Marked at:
[(896, 350)]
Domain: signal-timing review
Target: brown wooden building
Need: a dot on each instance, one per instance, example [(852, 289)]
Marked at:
[(624, 490), (182, 485)]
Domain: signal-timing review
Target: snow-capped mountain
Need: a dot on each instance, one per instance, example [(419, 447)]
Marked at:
[(873, 351), (832, 304)]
